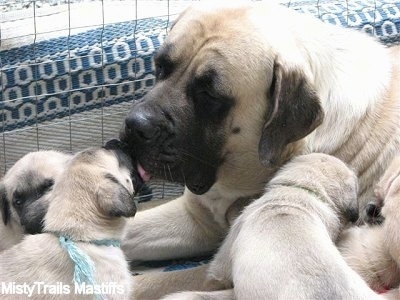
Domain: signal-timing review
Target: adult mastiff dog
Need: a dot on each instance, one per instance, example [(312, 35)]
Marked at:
[(240, 90)]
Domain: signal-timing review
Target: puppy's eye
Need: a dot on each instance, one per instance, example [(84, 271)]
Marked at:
[(45, 186), (18, 202)]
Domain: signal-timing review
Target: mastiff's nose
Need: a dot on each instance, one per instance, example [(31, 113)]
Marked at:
[(143, 123)]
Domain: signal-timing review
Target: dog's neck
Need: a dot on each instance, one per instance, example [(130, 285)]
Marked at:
[(84, 226), (102, 242), (313, 192), (348, 82), (85, 269)]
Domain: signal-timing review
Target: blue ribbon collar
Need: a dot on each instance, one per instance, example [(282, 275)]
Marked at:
[(84, 268)]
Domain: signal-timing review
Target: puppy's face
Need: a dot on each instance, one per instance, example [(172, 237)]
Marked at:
[(25, 187), (224, 103), (106, 176)]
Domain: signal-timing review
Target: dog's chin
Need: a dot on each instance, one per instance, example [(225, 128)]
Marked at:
[(32, 228), (199, 188), (198, 179)]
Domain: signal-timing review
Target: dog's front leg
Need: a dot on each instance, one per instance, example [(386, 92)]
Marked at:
[(214, 277), (180, 228), (220, 270)]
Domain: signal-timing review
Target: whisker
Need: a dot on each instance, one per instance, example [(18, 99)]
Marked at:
[(184, 178), (198, 159), (226, 162), (165, 172), (235, 186), (165, 176), (170, 173)]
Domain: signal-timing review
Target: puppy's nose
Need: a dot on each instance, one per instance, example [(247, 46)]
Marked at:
[(352, 214), (372, 210), (143, 124)]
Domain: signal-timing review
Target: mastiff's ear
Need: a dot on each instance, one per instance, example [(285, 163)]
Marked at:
[(295, 112), (114, 199), (4, 206)]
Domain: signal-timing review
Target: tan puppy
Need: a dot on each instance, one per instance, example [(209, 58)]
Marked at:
[(24, 194), (236, 96), (374, 252), (86, 210), (305, 207)]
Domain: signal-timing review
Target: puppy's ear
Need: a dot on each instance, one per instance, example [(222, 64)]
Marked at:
[(114, 199), (295, 111), (4, 206), (113, 144)]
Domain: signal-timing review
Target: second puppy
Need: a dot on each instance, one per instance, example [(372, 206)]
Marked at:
[(24, 194), (83, 226)]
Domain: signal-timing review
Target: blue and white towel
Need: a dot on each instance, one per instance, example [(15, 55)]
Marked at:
[(113, 63)]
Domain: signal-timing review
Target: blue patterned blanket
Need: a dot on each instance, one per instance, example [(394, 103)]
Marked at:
[(111, 64)]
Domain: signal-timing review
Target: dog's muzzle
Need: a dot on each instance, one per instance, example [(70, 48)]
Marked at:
[(149, 133), (168, 145), (143, 124)]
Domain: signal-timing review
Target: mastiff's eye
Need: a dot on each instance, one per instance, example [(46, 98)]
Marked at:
[(209, 98), (160, 72), (163, 68), (210, 102)]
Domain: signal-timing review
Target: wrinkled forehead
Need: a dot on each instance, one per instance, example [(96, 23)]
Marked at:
[(200, 26), (43, 163), (102, 158), (26, 182), (28, 170), (215, 43)]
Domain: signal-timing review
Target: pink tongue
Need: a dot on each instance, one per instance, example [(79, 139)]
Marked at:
[(145, 176)]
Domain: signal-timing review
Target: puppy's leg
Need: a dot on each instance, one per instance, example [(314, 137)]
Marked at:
[(158, 284), (236, 261), (179, 228), (216, 295)]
